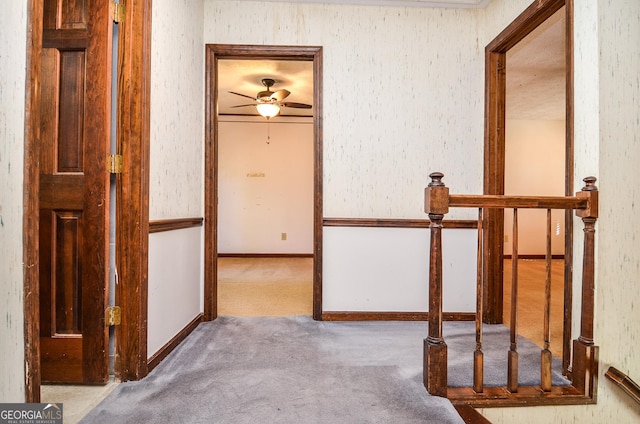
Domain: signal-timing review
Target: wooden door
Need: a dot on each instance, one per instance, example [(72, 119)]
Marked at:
[(75, 101)]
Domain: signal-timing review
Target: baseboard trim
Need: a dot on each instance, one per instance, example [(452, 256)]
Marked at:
[(393, 316), (165, 350), (265, 255)]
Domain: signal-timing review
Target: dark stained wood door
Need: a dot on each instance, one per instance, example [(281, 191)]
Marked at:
[(75, 101)]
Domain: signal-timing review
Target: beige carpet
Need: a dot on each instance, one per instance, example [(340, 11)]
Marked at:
[(283, 287), (265, 286)]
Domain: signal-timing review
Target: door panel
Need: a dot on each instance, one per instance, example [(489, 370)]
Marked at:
[(73, 190)]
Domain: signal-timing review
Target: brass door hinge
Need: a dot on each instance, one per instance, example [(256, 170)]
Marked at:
[(118, 11), (114, 164), (112, 316)]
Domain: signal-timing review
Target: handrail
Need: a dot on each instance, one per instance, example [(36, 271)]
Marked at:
[(584, 362), (625, 382), (503, 201)]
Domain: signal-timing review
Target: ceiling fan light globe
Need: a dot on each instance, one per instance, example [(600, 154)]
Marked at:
[(268, 110)]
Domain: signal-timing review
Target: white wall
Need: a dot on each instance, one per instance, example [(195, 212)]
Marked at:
[(534, 165), (13, 36), (265, 186), (175, 295), (176, 175), (387, 269)]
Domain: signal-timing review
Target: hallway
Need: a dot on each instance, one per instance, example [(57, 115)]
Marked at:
[(283, 287), (246, 287)]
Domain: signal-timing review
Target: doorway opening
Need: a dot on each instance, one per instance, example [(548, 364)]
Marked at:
[(537, 18), (535, 148), (265, 188), (255, 226)]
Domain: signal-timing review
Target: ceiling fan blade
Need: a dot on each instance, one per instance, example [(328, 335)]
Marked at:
[(280, 95), (296, 105), (243, 95), (252, 104)]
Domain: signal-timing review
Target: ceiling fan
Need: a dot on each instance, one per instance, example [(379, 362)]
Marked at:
[(268, 103)]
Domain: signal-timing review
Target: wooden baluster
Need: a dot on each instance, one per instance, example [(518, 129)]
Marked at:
[(545, 355), (436, 204), (478, 355), (585, 353), (512, 372)]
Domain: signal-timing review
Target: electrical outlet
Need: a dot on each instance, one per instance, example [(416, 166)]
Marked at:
[(506, 238), (284, 236)]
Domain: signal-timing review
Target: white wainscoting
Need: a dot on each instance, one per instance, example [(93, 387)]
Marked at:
[(175, 284), (383, 269)]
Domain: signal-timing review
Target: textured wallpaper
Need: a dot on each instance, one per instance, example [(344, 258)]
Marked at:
[(618, 252), (402, 96), (177, 110), (12, 85)]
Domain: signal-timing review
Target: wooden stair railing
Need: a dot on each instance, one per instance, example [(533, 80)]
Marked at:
[(625, 383), (584, 360)]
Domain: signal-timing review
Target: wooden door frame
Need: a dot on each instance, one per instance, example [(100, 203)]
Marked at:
[(132, 188), (494, 145), (133, 191), (31, 206), (214, 52)]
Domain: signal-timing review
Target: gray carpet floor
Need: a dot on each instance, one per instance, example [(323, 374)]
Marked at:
[(296, 370)]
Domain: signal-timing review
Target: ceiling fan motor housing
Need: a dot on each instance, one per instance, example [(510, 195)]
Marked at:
[(265, 96), (268, 82)]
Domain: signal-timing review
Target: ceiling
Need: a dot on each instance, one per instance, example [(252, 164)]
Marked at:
[(536, 73), (245, 77), (535, 76)]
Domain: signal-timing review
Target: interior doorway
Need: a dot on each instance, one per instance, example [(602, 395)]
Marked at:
[(215, 235), (537, 17), (535, 148), (265, 188)]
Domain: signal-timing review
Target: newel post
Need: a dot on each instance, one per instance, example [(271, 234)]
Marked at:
[(585, 353), (436, 204)]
